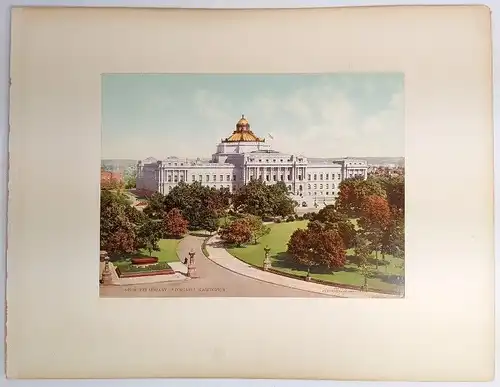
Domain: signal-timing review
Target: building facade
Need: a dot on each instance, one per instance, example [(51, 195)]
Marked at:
[(243, 157)]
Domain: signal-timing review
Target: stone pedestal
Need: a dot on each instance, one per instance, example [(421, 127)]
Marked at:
[(267, 262), (107, 278), (191, 267)]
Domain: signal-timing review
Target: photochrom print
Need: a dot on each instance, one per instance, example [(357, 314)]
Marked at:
[(252, 185)]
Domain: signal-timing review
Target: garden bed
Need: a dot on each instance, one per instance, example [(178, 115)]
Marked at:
[(161, 268)]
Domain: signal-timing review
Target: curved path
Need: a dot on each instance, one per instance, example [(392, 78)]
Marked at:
[(213, 281), (219, 255)]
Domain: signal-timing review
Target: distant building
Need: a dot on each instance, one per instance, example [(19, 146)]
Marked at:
[(243, 157), (108, 177)]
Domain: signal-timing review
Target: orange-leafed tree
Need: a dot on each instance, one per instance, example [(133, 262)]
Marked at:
[(174, 224), (376, 219), (237, 232), (317, 247)]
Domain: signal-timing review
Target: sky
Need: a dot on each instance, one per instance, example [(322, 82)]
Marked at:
[(316, 115)]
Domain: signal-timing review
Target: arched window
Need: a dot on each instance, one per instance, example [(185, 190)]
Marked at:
[(300, 187), (309, 186)]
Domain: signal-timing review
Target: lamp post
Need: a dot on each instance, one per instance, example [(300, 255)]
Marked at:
[(191, 273), (267, 261), (308, 275), (311, 260)]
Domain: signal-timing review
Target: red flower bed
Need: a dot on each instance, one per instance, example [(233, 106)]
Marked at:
[(145, 273), (144, 260)]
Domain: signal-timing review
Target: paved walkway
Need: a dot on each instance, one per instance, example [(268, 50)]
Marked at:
[(213, 281), (219, 255)]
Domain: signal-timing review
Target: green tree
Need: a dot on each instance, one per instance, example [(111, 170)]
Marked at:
[(393, 239), (130, 182), (200, 205), (258, 198), (257, 227), (330, 218), (329, 214), (117, 231), (155, 208), (363, 251), (149, 235), (254, 198)]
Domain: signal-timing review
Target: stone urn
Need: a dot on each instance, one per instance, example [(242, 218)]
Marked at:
[(102, 255)]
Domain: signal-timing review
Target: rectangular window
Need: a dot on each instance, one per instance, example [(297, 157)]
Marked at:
[(214, 178), (289, 177), (274, 177), (338, 176), (327, 187), (309, 177), (221, 178), (327, 176), (267, 177), (234, 177), (175, 179), (228, 177), (321, 186), (193, 178), (315, 177), (315, 186), (321, 176), (200, 178), (208, 178), (170, 178)]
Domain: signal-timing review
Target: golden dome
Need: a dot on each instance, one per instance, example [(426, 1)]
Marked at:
[(243, 132), (243, 121)]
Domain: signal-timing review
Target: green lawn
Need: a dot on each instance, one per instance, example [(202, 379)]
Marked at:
[(167, 253), (277, 241)]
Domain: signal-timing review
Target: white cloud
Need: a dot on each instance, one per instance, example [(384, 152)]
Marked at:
[(321, 122), (332, 126)]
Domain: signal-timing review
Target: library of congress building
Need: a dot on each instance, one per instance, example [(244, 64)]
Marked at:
[(243, 157)]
